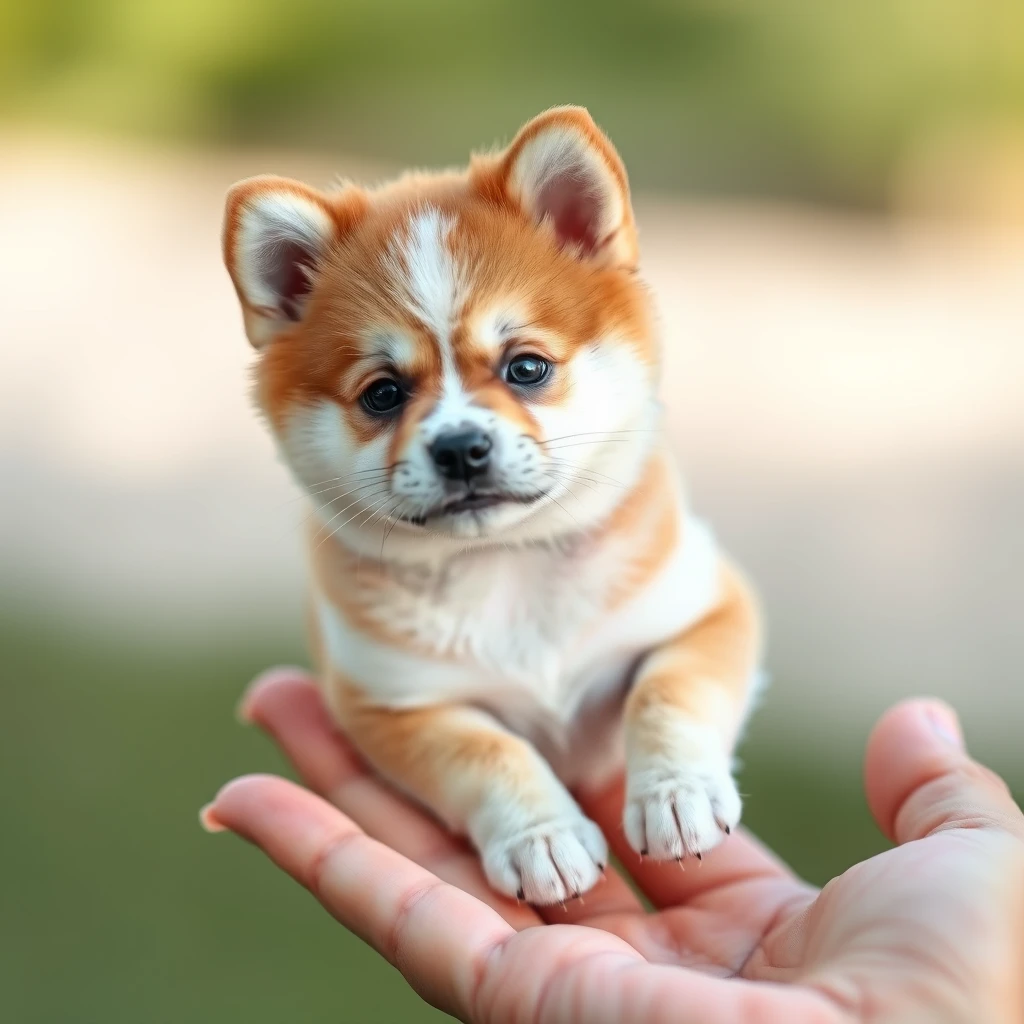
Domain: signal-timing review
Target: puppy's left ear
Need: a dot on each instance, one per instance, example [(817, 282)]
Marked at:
[(562, 168)]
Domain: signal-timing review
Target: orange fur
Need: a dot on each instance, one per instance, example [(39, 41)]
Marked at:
[(704, 674), (422, 748)]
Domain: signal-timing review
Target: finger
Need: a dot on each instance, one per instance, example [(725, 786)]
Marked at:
[(438, 936), (287, 704), (739, 859), (919, 777)]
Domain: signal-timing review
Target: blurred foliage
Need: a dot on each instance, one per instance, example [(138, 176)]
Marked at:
[(118, 908), (791, 97)]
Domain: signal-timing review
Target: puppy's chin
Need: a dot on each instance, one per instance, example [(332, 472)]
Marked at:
[(480, 523)]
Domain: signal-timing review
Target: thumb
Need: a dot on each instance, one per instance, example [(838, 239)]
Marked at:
[(919, 778)]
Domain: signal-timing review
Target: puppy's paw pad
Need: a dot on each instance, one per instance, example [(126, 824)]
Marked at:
[(547, 863), (685, 813)]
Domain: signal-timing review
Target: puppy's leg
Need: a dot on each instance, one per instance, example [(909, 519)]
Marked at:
[(682, 720), (487, 783)]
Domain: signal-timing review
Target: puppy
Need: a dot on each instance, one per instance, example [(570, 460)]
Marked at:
[(510, 598)]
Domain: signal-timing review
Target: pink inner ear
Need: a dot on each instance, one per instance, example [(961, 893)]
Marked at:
[(574, 208), (289, 276)]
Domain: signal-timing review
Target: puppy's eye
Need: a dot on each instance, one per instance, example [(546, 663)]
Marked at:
[(527, 370), (383, 396)]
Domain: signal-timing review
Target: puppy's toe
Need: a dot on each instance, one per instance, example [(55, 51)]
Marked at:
[(682, 813), (547, 863)]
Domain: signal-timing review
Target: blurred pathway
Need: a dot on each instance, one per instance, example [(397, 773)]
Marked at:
[(848, 395)]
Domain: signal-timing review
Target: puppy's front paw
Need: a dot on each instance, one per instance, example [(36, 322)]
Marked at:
[(549, 862), (681, 812)]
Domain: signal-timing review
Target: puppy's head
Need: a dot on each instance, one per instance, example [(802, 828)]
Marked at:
[(465, 354)]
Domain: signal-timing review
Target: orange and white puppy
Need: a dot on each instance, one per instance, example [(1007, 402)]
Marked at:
[(509, 595)]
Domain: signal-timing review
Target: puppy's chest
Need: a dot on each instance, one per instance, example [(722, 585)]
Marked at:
[(543, 639), (513, 617)]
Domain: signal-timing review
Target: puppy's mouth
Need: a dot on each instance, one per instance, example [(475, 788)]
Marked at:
[(473, 501)]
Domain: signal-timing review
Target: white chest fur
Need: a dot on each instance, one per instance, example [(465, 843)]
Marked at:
[(524, 633)]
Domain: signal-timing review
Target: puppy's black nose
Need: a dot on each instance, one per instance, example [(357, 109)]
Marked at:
[(462, 454)]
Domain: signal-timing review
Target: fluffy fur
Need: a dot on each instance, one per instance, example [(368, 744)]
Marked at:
[(490, 641)]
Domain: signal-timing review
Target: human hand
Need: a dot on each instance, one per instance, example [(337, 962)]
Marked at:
[(932, 930)]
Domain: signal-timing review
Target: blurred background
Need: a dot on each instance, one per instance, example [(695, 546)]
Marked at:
[(831, 199)]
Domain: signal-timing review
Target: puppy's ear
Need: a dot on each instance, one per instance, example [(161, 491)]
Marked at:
[(276, 233), (562, 168)]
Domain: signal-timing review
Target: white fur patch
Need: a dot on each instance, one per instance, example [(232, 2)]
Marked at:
[(429, 277), (492, 327), (345, 479), (398, 348)]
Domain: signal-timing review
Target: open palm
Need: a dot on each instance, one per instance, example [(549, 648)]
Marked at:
[(930, 930)]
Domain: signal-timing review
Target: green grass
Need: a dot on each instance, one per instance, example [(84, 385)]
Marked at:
[(789, 98), (118, 908)]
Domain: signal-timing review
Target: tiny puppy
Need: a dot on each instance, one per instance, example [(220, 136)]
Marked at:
[(510, 598)]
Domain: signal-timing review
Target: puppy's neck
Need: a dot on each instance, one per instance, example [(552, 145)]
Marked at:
[(413, 556)]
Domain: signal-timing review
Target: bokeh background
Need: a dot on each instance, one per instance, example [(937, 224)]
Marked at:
[(831, 199)]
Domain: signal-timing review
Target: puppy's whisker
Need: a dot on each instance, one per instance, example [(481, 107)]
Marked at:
[(570, 491), (377, 509), (381, 511), (341, 497), (603, 433), (585, 473), (334, 487), (341, 512), (335, 498), (600, 440), (312, 490), (358, 472), (393, 516), (566, 511), (344, 494), (585, 469), (335, 531)]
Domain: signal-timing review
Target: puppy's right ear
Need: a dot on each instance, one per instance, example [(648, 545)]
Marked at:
[(276, 233)]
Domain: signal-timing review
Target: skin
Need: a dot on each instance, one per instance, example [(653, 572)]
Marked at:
[(931, 930)]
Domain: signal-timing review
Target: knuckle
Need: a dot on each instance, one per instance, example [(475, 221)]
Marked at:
[(396, 941), (324, 857)]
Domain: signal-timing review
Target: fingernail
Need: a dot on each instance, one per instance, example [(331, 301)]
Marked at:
[(242, 713), (209, 822), (945, 724)]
